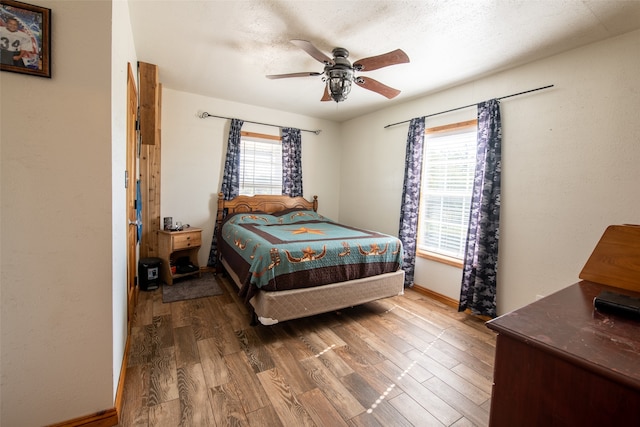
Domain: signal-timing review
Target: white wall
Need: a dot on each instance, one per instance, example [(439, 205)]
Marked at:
[(123, 53), (193, 154), (570, 165), (56, 229)]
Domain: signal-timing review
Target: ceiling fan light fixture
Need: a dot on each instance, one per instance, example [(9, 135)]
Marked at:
[(339, 81), (339, 74)]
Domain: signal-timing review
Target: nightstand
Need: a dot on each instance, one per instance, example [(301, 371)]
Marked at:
[(173, 245)]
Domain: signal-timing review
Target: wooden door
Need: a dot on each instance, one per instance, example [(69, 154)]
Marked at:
[(131, 178)]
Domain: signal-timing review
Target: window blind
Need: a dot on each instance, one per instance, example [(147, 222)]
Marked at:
[(447, 183), (260, 167)]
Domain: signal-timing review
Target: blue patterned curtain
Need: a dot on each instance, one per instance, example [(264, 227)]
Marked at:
[(410, 207), (291, 162), (230, 179), (479, 277)]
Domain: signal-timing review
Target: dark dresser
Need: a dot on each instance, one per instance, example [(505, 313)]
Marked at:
[(560, 362)]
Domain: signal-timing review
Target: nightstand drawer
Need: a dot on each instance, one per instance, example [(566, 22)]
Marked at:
[(186, 240)]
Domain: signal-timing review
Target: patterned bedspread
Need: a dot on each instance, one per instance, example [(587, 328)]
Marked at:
[(300, 248)]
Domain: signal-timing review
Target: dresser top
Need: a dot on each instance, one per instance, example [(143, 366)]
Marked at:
[(567, 325)]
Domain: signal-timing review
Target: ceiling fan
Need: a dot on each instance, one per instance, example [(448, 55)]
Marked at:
[(339, 73)]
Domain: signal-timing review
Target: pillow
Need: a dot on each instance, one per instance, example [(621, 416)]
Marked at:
[(251, 218), (289, 216)]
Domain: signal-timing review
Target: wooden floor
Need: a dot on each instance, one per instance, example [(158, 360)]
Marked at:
[(402, 361)]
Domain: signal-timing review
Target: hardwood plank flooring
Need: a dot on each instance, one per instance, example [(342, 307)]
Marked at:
[(402, 361)]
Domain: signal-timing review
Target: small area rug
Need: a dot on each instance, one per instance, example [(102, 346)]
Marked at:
[(191, 288)]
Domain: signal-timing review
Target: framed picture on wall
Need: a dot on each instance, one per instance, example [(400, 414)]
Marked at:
[(25, 38)]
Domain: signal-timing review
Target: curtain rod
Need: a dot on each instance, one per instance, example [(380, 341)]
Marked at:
[(204, 115), (473, 105)]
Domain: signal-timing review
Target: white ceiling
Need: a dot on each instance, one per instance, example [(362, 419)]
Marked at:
[(224, 49)]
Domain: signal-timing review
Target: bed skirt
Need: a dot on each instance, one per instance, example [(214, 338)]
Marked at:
[(278, 306)]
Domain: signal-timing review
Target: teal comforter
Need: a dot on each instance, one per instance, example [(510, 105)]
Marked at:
[(300, 248)]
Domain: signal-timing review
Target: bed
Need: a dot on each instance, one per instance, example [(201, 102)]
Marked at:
[(287, 261)]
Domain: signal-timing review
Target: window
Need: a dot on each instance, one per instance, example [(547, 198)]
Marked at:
[(260, 164), (447, 183)]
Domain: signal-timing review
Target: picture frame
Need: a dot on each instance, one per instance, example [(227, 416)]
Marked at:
[(25, 38)]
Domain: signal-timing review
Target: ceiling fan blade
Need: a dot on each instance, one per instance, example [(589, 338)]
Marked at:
[(284, 76), (376, 86), (374, 62), (326, 96), (313, 51)]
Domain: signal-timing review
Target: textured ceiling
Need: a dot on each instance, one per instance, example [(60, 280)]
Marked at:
[(224, 49)]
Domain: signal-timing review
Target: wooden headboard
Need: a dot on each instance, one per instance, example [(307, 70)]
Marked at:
[(262, 203)]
